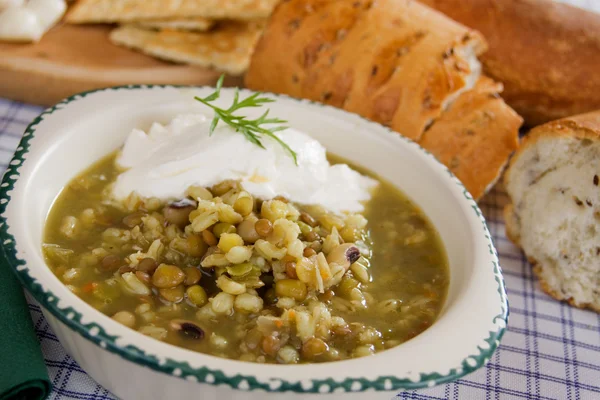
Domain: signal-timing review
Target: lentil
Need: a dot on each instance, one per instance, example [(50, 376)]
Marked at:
[(246, 229), (308, 219), (271, 345), (144, 277), (312, 236), (308, 252), (111, 262), (192, 276), (147, 265), (174, 295), (314, 347), (209, 238), (263, 227), (290, 270), (167, 276), (196, 295), (177, 215)]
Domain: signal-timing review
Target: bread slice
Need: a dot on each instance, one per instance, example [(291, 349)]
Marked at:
[(94, 11), (545, 53), (199, 24), (475, 136), (227, 49), (396, 62), (553, 183)]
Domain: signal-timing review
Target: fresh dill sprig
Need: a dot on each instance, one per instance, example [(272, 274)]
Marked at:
[(252, 129)]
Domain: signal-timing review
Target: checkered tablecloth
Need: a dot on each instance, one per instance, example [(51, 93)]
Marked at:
[(550, 351)]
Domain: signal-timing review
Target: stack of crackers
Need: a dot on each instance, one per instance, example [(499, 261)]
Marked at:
[(218, 34)]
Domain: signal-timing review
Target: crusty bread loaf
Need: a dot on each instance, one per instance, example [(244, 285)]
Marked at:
[(554, 210), (475, 136), (393, 61), (398, 63), (545, 53)]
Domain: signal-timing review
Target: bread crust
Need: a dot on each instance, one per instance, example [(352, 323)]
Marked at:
[(395, 62), (475, 136), (546, 53), (509, 225), (583, 126), (537, 270), (392, 61)]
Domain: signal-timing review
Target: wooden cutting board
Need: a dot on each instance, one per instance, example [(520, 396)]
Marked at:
[(71, 59)]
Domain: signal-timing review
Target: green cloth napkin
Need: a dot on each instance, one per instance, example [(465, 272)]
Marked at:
[(23, 374)]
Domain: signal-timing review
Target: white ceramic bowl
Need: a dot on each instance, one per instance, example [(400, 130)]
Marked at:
[(70, 136)]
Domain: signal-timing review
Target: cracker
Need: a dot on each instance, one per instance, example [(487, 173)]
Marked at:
[(95, 11), (197, 24), (227, 48)]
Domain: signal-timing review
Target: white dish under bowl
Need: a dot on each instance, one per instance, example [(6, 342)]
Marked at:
[(70, 136)]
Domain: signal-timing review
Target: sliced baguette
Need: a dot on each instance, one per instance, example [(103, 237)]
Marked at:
[(393, 61), (396, 62), (554, 210), (475, 136)]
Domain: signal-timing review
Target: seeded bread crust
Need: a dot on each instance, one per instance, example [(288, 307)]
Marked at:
[(475, 136), (396, 62), (585, 127), (545, 53)]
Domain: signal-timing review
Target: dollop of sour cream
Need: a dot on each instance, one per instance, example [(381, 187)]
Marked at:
[(29, 20), (164, 162)]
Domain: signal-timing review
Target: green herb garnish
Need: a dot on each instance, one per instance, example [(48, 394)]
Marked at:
[(252, 129)]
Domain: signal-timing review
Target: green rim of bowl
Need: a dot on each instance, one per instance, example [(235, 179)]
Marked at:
[(97, 334)]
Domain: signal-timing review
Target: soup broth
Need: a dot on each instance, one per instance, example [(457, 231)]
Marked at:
[(230, 275)]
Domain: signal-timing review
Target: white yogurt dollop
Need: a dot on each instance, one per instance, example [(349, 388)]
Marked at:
[(164, 162)]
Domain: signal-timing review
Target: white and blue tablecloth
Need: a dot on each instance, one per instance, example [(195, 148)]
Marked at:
[(550, 351)]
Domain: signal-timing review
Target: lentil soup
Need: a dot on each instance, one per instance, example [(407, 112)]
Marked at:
[(222, 273)]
